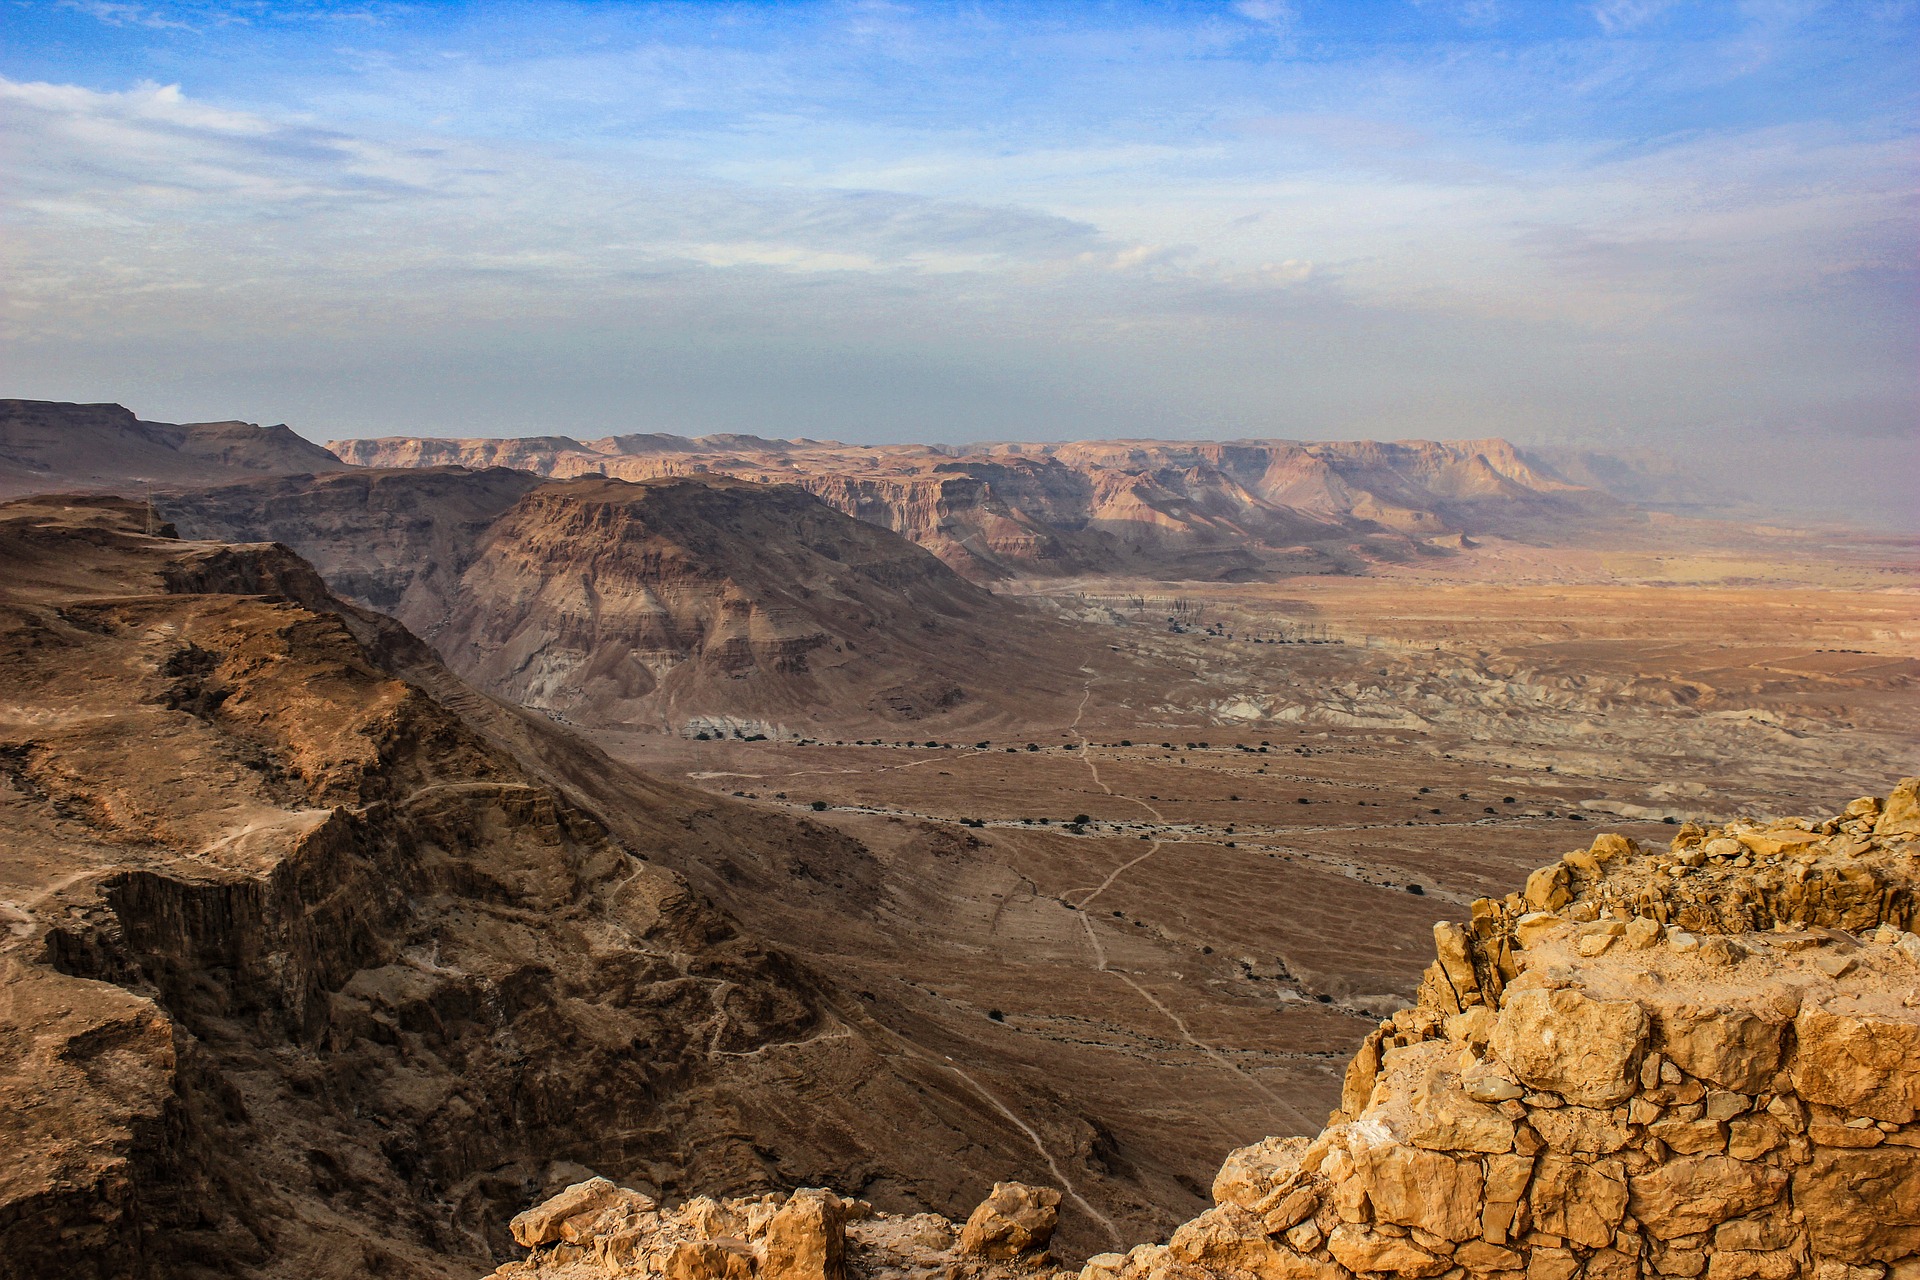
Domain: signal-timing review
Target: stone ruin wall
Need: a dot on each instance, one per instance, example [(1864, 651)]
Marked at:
[(1701, 1061)]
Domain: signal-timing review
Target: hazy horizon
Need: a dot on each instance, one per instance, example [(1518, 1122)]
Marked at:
[(1631, 224)]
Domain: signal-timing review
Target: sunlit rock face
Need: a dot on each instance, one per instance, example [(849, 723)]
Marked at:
[(1199, 510)]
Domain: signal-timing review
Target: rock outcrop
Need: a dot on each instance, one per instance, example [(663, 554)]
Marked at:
[(1701, 1061)]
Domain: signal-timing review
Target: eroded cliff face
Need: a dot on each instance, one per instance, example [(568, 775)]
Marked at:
[(1697, 1061), (312, 970), (672, 604), (1166, 508)]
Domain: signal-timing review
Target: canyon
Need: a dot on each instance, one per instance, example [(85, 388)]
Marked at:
[(674, 824)]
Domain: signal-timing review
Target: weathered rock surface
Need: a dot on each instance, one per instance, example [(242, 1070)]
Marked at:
[(1555, 1109), (684, 604), (311, 969)]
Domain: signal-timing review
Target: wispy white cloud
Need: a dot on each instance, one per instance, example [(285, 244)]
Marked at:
[(1619, 16), (1043, 226)]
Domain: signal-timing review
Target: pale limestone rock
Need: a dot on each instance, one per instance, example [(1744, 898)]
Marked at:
[(1440, 1115), (1864, 1064), (1900, 816), (1013, 1221), (806, 1239), (1691, 1194), (1612, 1264), (1751, 1137), (1452, 947), (1569, 1129), (570, 1214), (1861, 1205), (1529, 929), (1548, 1263), (1251, 1174), (1547, 889), (1367, 1252), (1412, 1187), (1579, 1202), (1228, 1239), (1723, 1044), (1690, 1137), (1586, 1050), (1742, 1264), (1479, 1257), (1306, 1237), (708, 1260), (1644, 932)]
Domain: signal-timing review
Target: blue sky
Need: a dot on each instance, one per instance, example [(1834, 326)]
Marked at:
[(1688, 225)]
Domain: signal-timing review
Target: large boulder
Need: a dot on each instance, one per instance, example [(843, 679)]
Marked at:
[(1228, 1240), (1861, 1205), (1014, 1221), (1726, 1045), (1249, 1175), (1412, 1187), (1863, 1063), (1562, 1040), (571, 1216), (1580, 1202), (1372, 1253), (806, 1239), (1691, 1194), (1900, 815)]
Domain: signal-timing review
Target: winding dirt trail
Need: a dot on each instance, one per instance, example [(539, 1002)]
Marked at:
[(1100, 953)]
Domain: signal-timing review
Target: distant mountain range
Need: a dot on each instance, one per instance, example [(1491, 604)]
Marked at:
[(1171, 509)]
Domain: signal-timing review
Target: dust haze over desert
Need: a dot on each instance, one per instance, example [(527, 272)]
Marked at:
[(1245, 641)]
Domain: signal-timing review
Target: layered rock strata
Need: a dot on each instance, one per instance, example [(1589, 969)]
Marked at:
[(1701, 1061), (313, 963), (1175, 509)]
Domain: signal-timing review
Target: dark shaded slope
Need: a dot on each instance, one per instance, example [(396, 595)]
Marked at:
[(51, 447), (305, 973)]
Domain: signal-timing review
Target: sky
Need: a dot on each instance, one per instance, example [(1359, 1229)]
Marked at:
[(1688, 225)]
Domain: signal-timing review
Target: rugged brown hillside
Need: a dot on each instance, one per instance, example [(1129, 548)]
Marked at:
[(689, 605), (48, 447), (1693, 1061), (1167, 508), (396, 541), (312, 970)]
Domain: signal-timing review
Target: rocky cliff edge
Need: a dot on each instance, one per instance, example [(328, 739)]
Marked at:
[(1699, 1061)]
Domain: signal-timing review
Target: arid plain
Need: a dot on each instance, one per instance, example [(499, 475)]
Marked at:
[(1089, 803), (1287, 783)]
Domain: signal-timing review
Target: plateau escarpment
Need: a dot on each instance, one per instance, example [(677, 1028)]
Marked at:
[(1701, 1060), (52, 447), (687, 605), (1169, 509), (309, 969)]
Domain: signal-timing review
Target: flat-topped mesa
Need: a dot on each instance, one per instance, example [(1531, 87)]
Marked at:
[(1700, 1061)]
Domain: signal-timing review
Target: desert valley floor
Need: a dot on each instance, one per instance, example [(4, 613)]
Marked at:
[(1066, 815), (1273, 827)]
